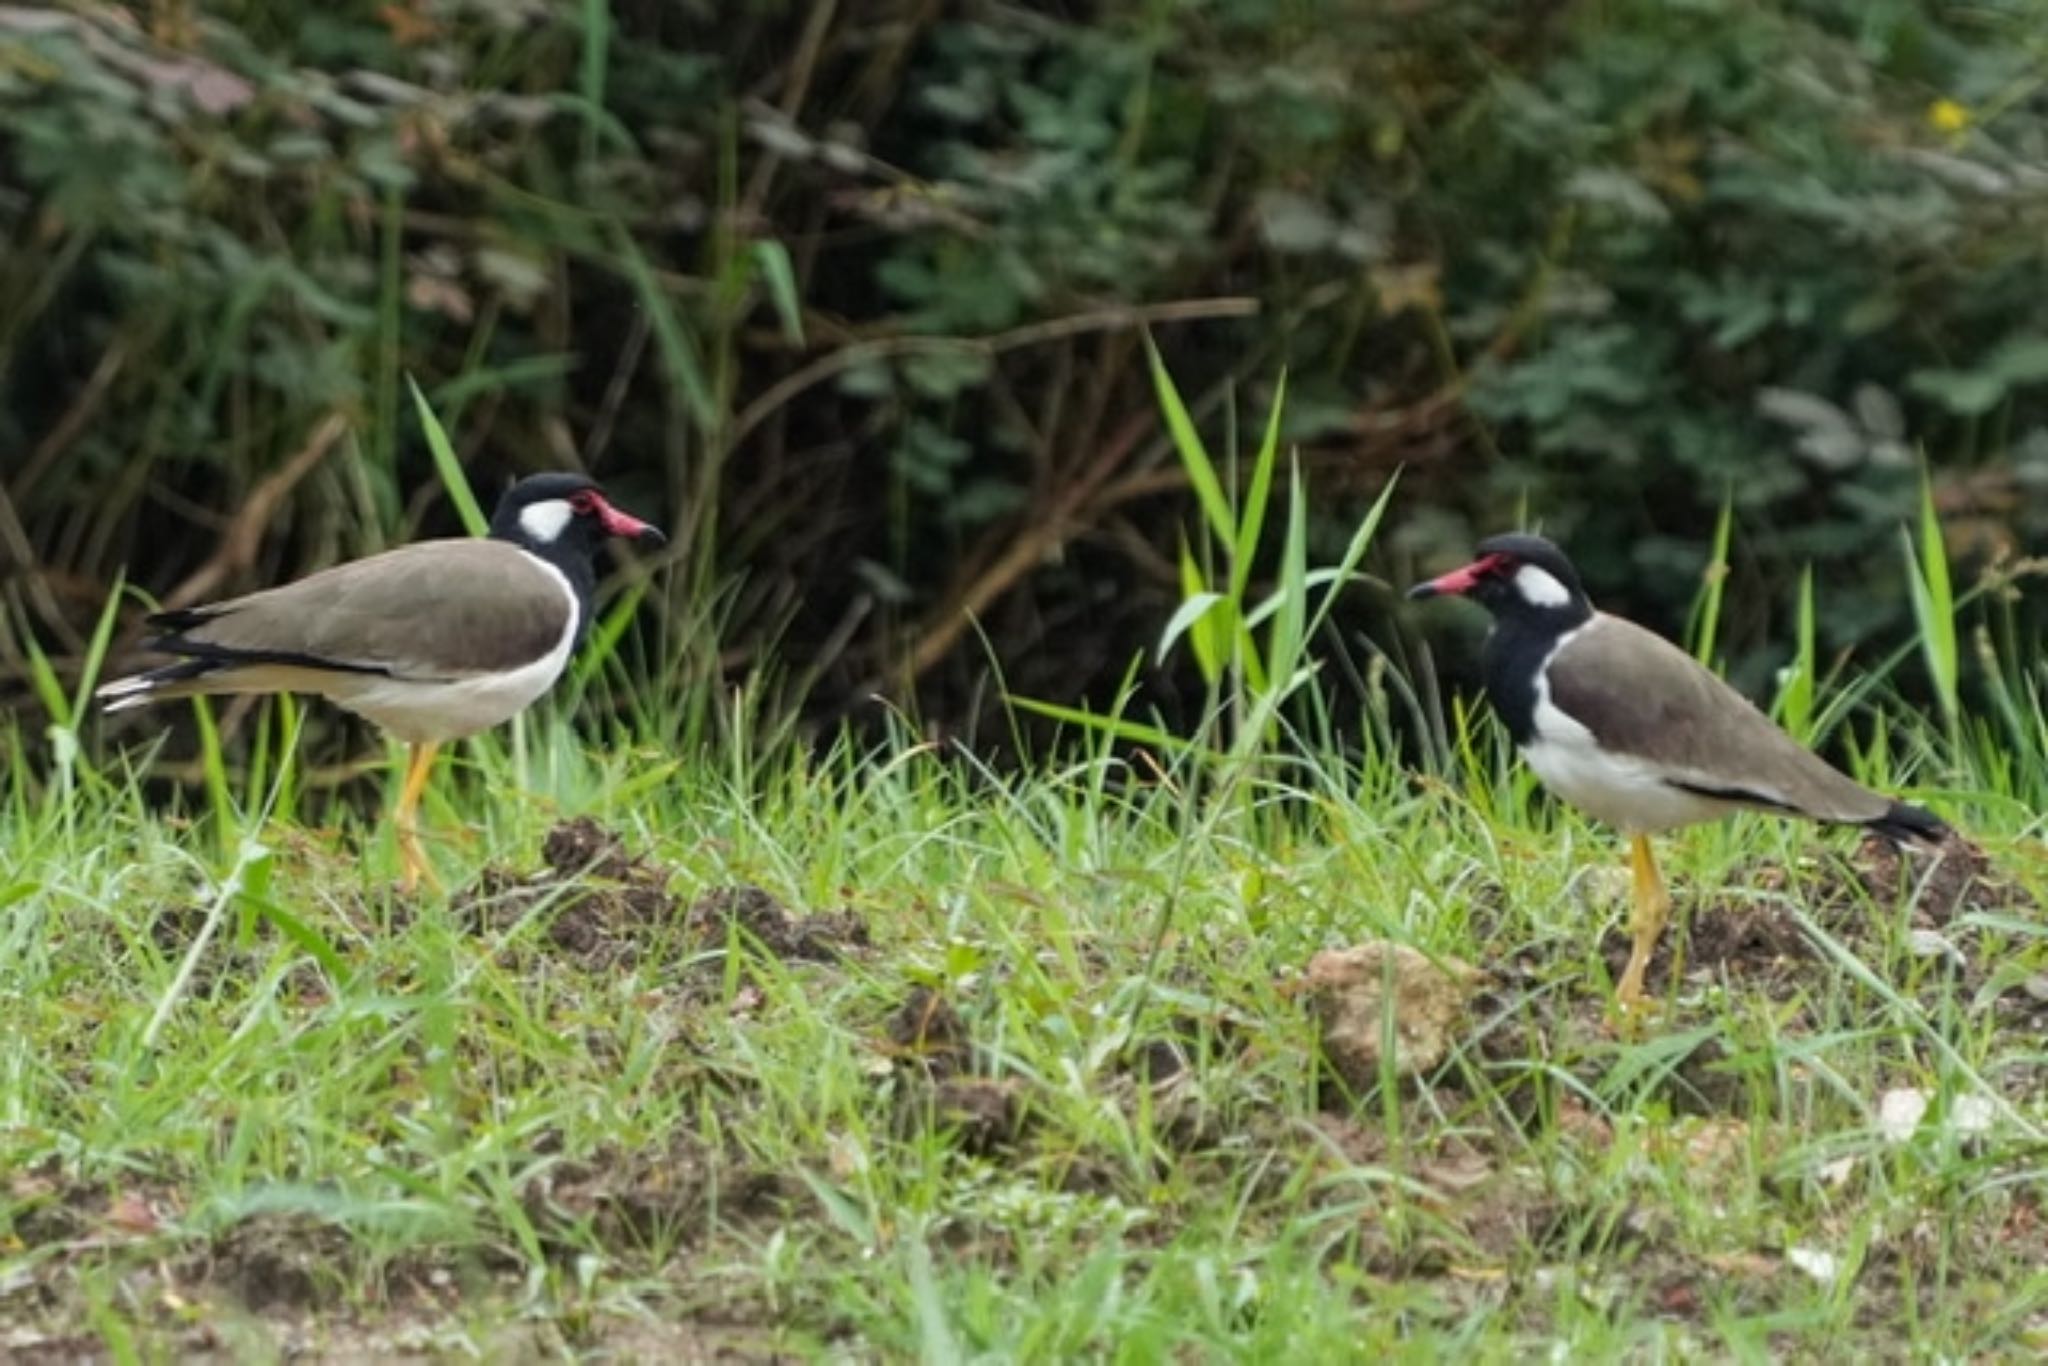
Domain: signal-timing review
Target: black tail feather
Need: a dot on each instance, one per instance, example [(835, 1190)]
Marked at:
[(137, 689), (1904, 823), (177, 619)]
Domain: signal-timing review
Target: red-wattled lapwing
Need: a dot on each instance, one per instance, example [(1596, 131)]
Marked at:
[(432, 641), (1631, 729)]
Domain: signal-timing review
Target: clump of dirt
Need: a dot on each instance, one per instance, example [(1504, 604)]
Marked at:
[(602, 905), (273, 1261), (1957, 878), (1760, 943), (236, 955), (926, 1029), (1385, 1003), (659, 1196), (605, 908), (985, 1114), (822, 937), (1758, 939), (45, 1204), (598, 927), (582, 847), (932, 1054)]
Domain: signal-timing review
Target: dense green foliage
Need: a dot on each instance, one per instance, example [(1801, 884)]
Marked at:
[(852, 295)]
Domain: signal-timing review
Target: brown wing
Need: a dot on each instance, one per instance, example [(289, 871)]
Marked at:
[(1640, 694), (432, 610)]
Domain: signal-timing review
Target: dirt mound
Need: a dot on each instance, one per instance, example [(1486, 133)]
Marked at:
[(601, 907), (761, 920), (1956, 879), (931, 1057), (927, 1029), (1756, 936), (652, 1197)]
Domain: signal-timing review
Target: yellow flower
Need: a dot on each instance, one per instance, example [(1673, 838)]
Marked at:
[(1948, 116)]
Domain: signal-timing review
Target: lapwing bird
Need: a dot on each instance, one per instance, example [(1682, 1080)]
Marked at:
[(1634, 731), (432, 641)]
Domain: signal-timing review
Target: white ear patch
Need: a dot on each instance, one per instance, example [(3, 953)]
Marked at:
[(543, 521), (1540, 588)]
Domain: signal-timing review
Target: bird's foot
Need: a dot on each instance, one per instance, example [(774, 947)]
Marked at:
[(1630, 1012), (413, 868)]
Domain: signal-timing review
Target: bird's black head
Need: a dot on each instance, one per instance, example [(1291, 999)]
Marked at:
[(565, 517), (1519, 576)]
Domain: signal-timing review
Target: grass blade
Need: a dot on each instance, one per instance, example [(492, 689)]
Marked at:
[(1934, 607), (448, 465), (1194, 457), (1713, 581)]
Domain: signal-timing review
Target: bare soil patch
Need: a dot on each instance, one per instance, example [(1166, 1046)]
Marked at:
[(601, 907)]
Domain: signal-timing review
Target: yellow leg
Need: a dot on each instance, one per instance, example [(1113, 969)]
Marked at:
[(412, 859), (1652, 905)]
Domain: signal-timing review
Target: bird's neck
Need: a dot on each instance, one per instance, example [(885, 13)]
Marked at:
[(1518, 647)]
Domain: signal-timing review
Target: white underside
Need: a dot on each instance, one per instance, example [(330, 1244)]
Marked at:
[(419, 710), (1623, 791)]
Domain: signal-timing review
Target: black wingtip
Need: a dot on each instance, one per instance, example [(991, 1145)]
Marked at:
[(177, 619), (1904, 823)]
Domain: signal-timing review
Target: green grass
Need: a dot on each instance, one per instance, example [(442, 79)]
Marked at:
[(456, 1128), (1044, 1084)]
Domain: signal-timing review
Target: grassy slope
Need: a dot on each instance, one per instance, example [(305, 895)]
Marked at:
[(528, 1121)]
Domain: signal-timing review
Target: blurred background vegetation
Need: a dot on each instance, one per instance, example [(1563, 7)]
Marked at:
[(853, 294)]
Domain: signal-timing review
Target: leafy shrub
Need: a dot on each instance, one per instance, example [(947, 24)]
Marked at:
[(857, 291)]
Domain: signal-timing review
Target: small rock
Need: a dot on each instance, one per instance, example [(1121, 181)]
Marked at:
[(1932, 944), (1899, 1113), (1972, 1116), (1383, 991), (1822, 1266)]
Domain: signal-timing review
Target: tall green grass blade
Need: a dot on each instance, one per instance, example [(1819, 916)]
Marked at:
[(448, 465), (96, 649), (1714, 581), (771, 259), (1934, 607), (1795, 697), (1354, 555), (1284, 645), (1198, 616), (49, 688), (603, 642), (1194, 456), (214, 765), (1137, 732), (1252, 515)]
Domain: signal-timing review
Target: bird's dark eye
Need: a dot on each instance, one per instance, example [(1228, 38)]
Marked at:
[(583, 503)]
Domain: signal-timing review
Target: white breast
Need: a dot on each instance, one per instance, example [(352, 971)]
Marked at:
[(421, 710), (1620, 789)]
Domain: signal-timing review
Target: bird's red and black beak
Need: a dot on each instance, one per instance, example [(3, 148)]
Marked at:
[(626, 526), (1458, 582)]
